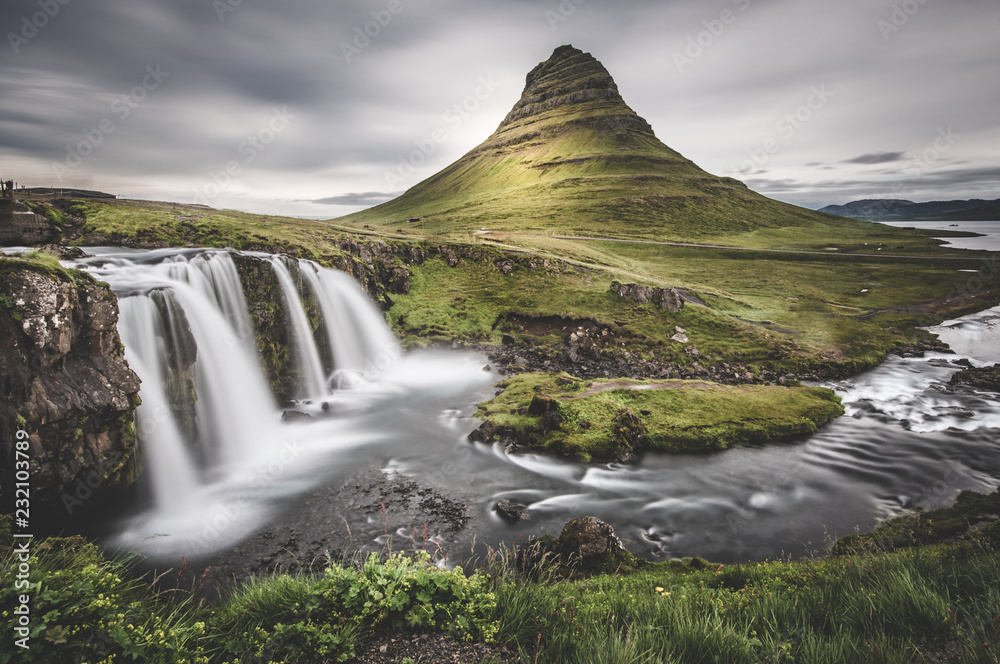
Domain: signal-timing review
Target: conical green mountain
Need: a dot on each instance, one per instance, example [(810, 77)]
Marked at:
[(572, 157)]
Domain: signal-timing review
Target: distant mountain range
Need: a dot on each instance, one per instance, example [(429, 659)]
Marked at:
[(891, 209)]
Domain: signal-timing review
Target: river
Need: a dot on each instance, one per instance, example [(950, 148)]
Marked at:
[(908, 439)]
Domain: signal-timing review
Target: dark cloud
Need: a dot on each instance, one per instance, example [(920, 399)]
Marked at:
[(361, 103), (877, 158), (365, 199)]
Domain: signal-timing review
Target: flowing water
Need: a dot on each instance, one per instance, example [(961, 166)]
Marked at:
[(908, 438)]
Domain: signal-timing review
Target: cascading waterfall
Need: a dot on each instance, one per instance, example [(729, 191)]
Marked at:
[(313, 383), (188, 335), (145, 335), (359, 340)]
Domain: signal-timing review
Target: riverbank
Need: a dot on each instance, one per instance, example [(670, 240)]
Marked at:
[(935, 602)]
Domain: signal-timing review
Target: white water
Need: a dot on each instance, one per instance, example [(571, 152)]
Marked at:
[(211, 490), (362, 343), (307, 356), (145, 334)]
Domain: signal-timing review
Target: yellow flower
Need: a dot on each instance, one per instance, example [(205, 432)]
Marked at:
[(659, 589)]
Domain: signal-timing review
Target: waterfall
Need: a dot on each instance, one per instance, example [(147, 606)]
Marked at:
[(312, 382), (359, 340), (207, 410), (145, 335)]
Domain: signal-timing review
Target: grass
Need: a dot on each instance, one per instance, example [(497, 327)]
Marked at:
[(922, 527), (883, 608), (931, 603), (585, 420), (788, 312), (166, 224), (42, 262)]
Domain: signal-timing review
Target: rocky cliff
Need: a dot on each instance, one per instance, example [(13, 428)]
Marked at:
[(67, 384)]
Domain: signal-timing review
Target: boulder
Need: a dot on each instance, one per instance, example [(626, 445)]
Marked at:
[(483, 434), (589, 541), (586, 545), (541, 404), (666, 298), (511, 512)]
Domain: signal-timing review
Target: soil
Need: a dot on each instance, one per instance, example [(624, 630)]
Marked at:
[(433, 648)]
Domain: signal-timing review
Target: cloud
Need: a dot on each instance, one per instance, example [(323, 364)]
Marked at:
[(877, 158), (354, 120), (365, 199)]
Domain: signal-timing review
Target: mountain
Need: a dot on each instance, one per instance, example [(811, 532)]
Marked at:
[(571, 156), (890, 209)]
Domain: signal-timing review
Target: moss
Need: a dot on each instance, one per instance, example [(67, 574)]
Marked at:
[(962, 520), (43, 263), (601, 419), (8, 306), (56, 216)]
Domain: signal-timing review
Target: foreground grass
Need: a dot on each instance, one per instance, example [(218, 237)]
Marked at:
[(901, 607), (933, 603), (604, 419)]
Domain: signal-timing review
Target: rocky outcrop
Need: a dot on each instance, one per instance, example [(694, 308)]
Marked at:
[(67, 384), (667, 298), (586, 545), (269, 315), (573, 78), (985, 378)]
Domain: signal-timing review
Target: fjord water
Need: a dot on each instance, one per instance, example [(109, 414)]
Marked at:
[(908, 438), (987, 240)]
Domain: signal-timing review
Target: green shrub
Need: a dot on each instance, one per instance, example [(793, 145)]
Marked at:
[(282, 617)]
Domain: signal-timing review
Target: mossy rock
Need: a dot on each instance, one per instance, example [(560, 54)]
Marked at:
[(586, 546), (974, 516)]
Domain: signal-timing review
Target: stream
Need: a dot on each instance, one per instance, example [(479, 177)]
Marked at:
[(908, 438)]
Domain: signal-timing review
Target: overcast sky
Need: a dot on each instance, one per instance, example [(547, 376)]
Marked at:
[(291, 108)]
